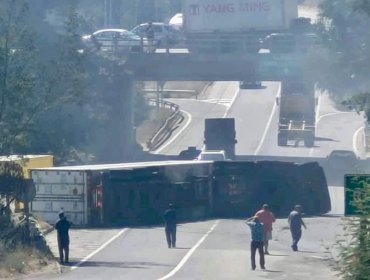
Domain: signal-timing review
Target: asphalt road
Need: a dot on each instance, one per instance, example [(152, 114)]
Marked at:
[(214, 249), (219, 249), (256, 121)]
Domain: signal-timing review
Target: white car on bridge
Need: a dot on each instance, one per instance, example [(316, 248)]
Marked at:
[(115, 40)]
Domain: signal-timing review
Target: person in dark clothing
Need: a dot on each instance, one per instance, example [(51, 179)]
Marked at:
[(62, 226), (150, 31), (295, 224), (257, 236), (170, 223)]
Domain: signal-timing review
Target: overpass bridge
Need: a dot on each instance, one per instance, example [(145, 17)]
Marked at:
[(174, 66)]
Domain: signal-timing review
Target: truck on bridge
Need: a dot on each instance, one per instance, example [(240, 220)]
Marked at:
[(297, 104), (234, 26)]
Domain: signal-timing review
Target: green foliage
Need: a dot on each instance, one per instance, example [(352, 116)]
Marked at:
[(345, 34), (354, 257), (12, 184), (56, 99), (19, 73), (360, 102)]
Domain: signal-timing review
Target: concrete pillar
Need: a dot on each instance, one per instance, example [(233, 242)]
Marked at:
[(128, 145), (119, 139)]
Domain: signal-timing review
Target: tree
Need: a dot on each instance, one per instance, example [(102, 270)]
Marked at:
[(38, 87), (354, 257), (12, 183), (19, 74), (345, 36)]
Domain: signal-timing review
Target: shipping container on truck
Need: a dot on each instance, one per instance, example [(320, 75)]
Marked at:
[(230, 26), (126, 193), (297, 111), (219, 134)]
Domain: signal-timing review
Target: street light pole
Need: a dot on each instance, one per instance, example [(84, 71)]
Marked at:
[(105, 14), (108, 13)]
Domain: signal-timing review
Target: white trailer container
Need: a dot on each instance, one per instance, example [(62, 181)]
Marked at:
[(58, 190), (88, 196), (238, 16)]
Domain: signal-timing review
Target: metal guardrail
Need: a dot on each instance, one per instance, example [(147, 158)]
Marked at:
[(225, 43), (167, 92), (164, 131)]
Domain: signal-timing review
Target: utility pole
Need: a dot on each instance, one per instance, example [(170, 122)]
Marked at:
[(110, 17), (108, 12), (105, 14)]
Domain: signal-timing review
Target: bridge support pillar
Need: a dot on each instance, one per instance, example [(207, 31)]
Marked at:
[(120, 141), (128, 140)]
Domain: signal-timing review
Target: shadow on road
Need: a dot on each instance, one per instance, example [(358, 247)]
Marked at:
[(138, 265), (311, 252), (325, 139), (277, 255), (273, 271)]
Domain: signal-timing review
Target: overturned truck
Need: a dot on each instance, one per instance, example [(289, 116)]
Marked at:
[(241, 187), (137, 193)]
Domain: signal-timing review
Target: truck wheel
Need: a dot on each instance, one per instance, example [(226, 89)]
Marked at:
[(282, 140)]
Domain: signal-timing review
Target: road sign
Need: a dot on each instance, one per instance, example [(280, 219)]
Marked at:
[(353, 184)]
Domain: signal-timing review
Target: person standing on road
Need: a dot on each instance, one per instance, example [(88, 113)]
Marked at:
[(62, 226), (257, 233), (267, 218), (170, 223), (295, 224), (150, 36)]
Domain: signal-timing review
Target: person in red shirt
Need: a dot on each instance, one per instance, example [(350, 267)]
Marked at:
[(267, 218)]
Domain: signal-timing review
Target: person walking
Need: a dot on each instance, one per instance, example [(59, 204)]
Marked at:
[(150, 37), (62, 226), (257, 238), (267, 218), (295, 224), (170, 221)]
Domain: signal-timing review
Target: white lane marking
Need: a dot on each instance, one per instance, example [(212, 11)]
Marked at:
[(231, 103), (99, 249), (332, 114), (213, 101), (188, 255), (228, 106), (354, 136), (177, 134), (268, 123), (354, 140)]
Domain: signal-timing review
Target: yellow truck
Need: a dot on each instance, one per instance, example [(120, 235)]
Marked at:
[(28, 162)]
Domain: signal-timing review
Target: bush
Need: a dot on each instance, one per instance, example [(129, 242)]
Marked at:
[(354, 256)]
